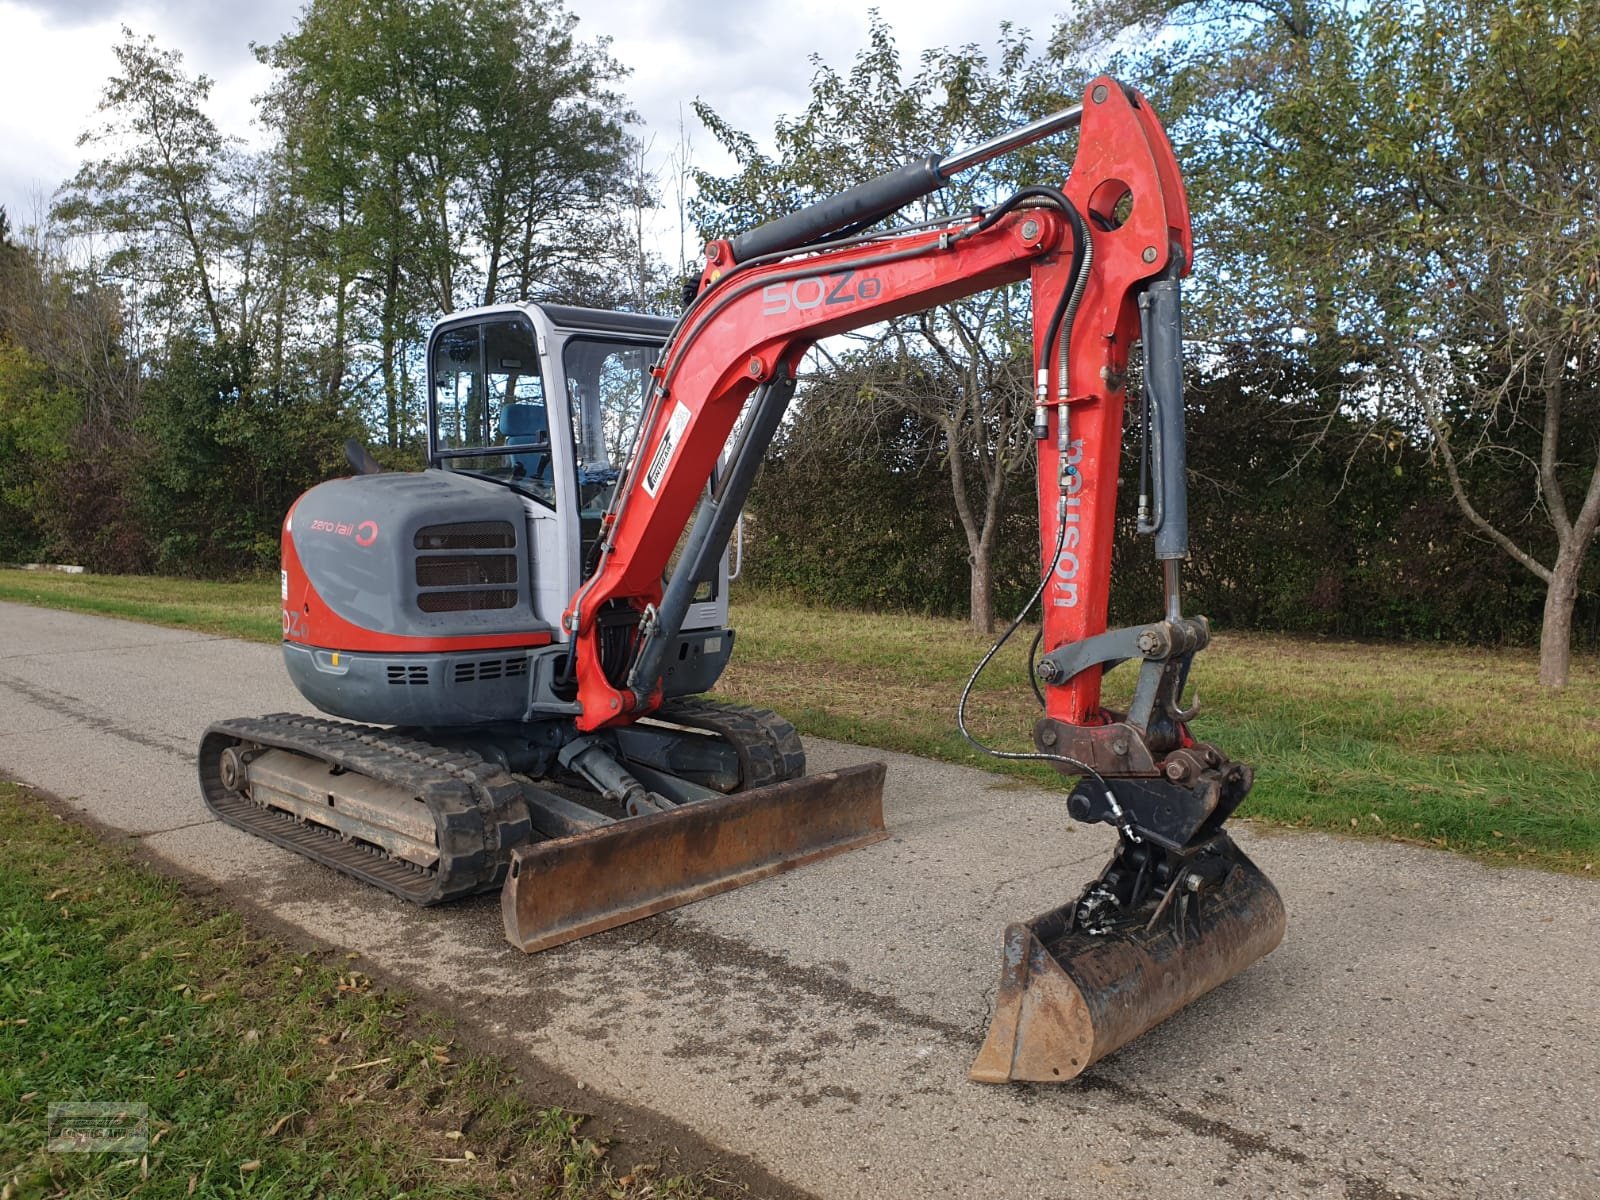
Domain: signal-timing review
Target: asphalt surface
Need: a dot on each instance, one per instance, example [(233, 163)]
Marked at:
[(1429, 1028)]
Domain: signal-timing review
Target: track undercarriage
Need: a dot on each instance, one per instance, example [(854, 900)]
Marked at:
[(435, 817)]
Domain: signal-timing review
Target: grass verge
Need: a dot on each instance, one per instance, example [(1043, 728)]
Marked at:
[(1445, 746), (266, 1072), (248, 610)]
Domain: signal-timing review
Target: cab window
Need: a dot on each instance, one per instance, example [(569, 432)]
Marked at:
[(607, 384), (608, 381), (487, 395)]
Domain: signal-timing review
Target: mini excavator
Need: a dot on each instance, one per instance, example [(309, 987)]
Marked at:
[(517, 640)]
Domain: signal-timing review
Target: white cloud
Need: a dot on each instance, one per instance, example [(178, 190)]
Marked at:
[(56, 57), (750, 61), (50, 78)]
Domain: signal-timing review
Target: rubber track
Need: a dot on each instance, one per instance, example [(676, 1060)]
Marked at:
[(768, 746), (478, 809)]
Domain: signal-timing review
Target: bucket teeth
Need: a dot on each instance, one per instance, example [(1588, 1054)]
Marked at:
[(1070, 996)]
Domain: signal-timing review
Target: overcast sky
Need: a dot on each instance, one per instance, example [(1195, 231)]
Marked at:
[(749, 59)]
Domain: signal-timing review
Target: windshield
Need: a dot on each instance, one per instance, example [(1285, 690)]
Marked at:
[(487, 393), (607, 383)]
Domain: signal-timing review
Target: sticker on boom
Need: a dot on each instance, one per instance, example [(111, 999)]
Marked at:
[(669, 442)]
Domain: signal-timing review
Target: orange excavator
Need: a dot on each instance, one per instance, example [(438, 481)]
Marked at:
[(518, 638)]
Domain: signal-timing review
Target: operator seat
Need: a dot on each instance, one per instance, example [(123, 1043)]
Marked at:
[(525, 425)]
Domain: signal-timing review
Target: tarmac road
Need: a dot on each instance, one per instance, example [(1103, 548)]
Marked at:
[(1429, 1028)]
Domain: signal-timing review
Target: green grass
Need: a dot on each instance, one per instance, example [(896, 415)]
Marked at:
[(267, 1072), (248, 610), (1447, 746)]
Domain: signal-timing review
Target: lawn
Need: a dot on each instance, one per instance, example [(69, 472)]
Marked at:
[(1446, 746), (265, 1072), (247, 610)]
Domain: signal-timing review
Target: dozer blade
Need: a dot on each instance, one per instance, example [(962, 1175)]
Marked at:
[(1068, 997), (568, 888)]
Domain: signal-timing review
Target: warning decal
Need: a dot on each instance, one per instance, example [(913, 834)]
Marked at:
[(662, 458)]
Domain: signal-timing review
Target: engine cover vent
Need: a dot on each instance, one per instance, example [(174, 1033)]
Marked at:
[(401, 676), (439, 602), (469, 535), (465, 570)]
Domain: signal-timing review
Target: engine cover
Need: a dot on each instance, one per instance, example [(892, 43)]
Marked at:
[(407, 599)]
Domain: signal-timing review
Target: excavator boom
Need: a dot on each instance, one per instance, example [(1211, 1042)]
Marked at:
[(1179, 909)]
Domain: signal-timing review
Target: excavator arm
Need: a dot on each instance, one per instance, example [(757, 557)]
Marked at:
[(741, 345), (1178, 909)]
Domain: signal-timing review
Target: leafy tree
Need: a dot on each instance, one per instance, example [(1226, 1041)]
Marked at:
[(225, 459), (68, 390), (14, 266), (554, 170), (853, 504), (160, 192), (964, 367), (338, 103), (1406, 196), (444, 155), (37, 417), (1352, 535)]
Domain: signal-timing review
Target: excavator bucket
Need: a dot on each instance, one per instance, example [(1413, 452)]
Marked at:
[(570, 887), (1068, 997)]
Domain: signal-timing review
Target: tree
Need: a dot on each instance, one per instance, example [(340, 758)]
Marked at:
[(224, 459), (160, 191), (1406, 195), (445, 155), (69, 391), (853, 504), (36, 420), (1492, 119), (963, 367), (338, 103), (555, 173)]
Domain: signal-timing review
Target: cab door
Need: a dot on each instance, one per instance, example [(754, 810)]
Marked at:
[(496, 411)]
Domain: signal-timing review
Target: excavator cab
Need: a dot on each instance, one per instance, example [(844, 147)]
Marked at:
[(429, 607), (545, 400)]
